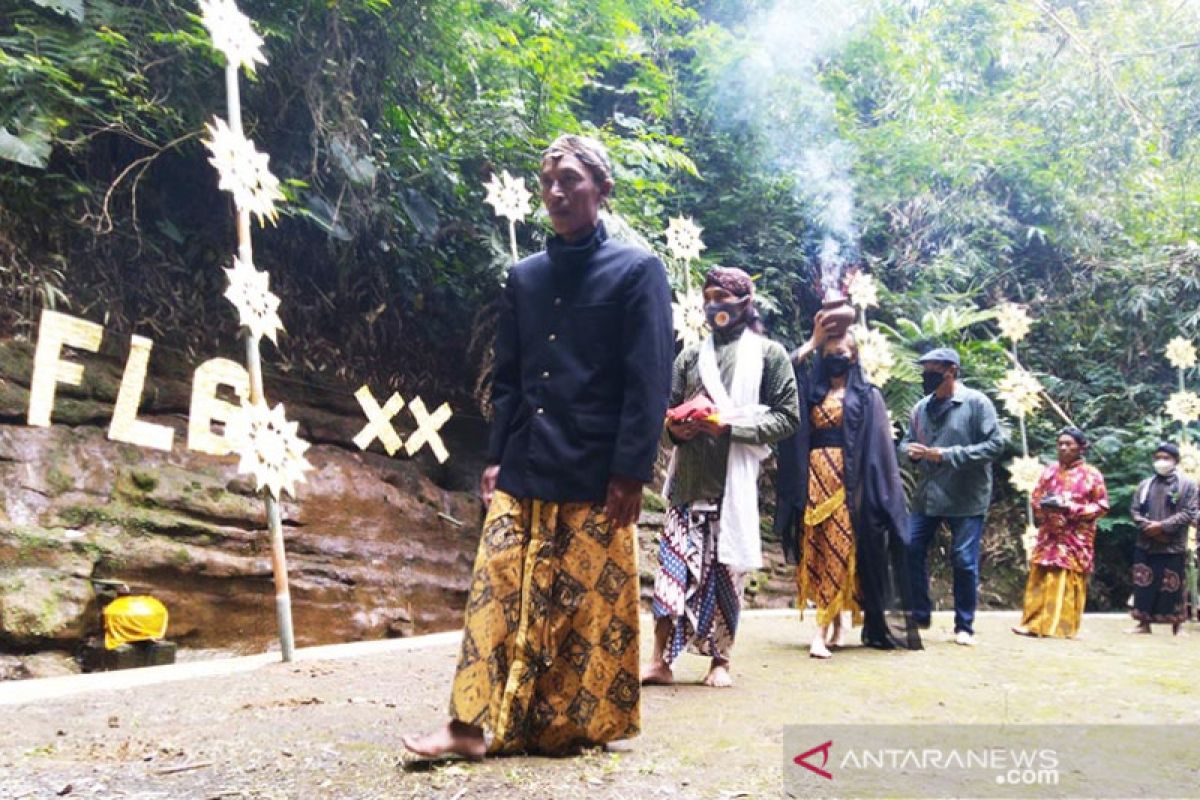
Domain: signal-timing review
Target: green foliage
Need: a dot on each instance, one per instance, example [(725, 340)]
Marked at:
[(383, 119), (1043, 152)]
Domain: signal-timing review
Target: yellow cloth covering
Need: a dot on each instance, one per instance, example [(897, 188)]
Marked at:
[(549, 658), (1054, 600), (133, 618)]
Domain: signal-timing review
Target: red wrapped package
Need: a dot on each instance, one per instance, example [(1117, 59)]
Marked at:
[(694, 410)]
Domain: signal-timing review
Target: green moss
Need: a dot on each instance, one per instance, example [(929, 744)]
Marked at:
[(652, 501), (91, 550), (144, 480), (59, 481), (756, 582), (181, 557), (16, 360), (33, 544), (136, 520)]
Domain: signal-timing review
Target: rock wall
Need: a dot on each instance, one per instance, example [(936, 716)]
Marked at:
[(377, 546)]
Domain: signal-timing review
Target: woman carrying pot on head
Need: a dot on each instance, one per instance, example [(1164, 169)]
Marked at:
[(841, 512)]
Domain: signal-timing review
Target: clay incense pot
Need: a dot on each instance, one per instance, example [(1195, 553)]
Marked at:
[(837, 307)]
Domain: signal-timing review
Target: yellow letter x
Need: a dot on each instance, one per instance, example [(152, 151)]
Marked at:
[(427, 427), (379, 421)]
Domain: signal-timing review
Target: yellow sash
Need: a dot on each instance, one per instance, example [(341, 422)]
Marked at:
[(824, 510)]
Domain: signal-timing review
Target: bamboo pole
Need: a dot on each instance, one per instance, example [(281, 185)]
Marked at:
[(1183, 426), (1024, 445), (283, 600)]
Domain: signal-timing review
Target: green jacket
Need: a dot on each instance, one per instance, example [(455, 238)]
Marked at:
[(970, 437), (700, 463)]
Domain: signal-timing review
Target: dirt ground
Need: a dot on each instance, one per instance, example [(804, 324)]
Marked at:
[(331, 728)]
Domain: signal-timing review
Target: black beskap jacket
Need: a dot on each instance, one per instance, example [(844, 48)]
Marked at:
[(583, 370)]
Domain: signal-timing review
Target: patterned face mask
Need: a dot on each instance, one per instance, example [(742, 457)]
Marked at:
[(723, 316)]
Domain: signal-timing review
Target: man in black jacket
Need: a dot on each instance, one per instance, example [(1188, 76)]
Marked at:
[(1164, 507), (549, 658)]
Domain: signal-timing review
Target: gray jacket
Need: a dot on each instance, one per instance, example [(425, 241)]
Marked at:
[(970, 437)]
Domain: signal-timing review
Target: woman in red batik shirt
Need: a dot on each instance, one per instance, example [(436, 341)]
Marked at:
[(1070, 497)]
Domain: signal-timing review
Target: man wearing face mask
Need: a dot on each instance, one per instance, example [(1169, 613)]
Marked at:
[(1164, 506), (840, 511), (731, 396), (952, 439)]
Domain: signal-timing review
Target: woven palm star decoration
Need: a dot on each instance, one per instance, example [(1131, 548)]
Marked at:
[(1029, 540), (508, 196), (683, 239), (1181, 354), (269, 448), (1020, 391), (1189, 460), (863, 291), (1183, 406), (690, 322), (1014, 322), (1024, 473), (258, 307), (244, 171), (232, 33), (874, 354)]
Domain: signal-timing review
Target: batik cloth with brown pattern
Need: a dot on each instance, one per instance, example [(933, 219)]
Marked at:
[(549, 659)]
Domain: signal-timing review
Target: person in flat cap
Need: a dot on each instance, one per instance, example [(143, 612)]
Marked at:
[(1069, 499), (952, 439), (1164, 507), (739, 395), (584, 343)]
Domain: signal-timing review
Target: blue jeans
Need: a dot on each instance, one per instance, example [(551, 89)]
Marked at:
[(966, 533)]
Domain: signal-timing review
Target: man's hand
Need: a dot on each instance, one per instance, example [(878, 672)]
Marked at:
[(917, 451), (624, 501), (487, 483), (683, 431), (713, 429), (1154, 529), (933, 454)]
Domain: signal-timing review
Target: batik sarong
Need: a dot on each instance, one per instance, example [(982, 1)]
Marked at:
[(1054, 601), (701, 596), (549, 658), (1158, 586)]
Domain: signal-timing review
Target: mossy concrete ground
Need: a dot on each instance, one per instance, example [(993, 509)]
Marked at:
[(332, 728)]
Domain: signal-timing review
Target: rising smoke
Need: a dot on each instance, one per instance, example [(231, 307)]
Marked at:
[(775, 90)]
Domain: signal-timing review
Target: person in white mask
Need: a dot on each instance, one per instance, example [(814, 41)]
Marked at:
[(1164, 507)]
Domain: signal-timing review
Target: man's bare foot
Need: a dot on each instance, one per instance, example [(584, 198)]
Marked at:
[(718, 676), (1021, 630), (657, 673), (452, 739), (1141, 628)]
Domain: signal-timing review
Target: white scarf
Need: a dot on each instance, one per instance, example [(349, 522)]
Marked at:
[(740, 545)]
